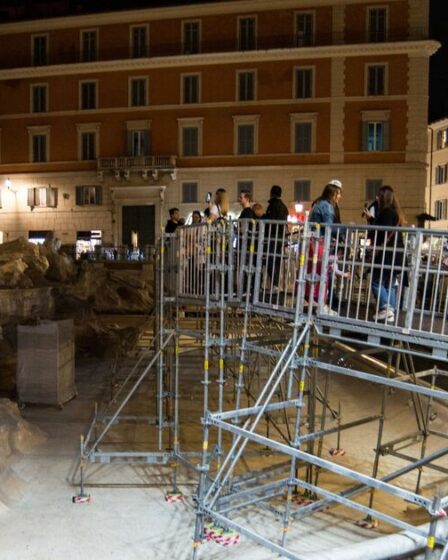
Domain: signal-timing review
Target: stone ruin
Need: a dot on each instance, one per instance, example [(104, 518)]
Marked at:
[(41, 282)]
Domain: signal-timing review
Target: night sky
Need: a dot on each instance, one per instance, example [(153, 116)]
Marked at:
[(438, 81)]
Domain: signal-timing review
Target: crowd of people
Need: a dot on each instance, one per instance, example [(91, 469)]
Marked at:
[(384, 211)]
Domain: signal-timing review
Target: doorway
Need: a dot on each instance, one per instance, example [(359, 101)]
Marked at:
[(140, 219)]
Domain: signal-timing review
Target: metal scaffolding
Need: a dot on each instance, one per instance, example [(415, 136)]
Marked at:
[(262, 302)]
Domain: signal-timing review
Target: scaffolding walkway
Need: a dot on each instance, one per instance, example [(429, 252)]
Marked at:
[(266, 304)]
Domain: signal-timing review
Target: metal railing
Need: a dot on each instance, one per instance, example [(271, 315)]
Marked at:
[(392, 280)]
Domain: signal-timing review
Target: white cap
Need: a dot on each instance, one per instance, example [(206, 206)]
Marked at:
[(336, 183)]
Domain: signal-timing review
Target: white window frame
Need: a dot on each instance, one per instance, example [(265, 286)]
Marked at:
[(441, 203), (239, 120), (296, 118), (81, 82), (198, 75), (237, 85), (131, 37), (88, 127), (140, 126), (313, 81), (39, 131), (81, 43), (140, 78), (190, 21), (385, 65), (376, 117), (47, 52), (368, 12), (238, 36), (190, 122), (312, 13), (47, 88)]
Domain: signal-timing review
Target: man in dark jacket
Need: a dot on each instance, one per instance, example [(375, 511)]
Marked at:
[(276, 210), (174, 221)]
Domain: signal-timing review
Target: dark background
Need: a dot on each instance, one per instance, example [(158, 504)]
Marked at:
[(438, 77), (438, 83)]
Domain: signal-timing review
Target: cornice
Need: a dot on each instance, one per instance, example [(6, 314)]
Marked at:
[(171, 12), (410, 48)]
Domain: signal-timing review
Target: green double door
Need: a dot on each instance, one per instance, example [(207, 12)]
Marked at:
[(140, 219)]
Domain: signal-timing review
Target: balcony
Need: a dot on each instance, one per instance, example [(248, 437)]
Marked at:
[(70, 54), (123, 166)]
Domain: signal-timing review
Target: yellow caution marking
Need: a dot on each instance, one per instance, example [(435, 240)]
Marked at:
[(221, 363), (205, 446), (206, 365), (302, 385), (431, 542)]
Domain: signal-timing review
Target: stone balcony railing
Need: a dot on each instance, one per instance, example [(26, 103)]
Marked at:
[(123, 166)]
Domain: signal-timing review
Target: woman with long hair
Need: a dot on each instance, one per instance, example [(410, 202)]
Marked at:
[(389, 254), (219, 208), (325, 209)]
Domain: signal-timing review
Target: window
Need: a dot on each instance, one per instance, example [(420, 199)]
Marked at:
[(440, 209), (190, 136), (190, 37), (303, 132), (138, 95), (246, 133), (245, 140), (46, 197), (1, 206), (376, 79), (88, 146), (88, 95), (304, 29), (247, 33), (139, 41), (190, 140), (442, 139), (190, 88), (138, 143), (39, 98), (189, 192), (246, 86), (89, 45), (377, 25), (372, 188), (39, 149), (39, 50), (89, 195), (246, 186), (375, 136), (302, 190), (441, 174), (304, 83)]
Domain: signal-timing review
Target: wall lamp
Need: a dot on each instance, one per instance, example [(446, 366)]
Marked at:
[(8, 185)]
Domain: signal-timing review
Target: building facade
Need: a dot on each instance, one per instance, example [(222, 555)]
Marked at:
[(437, 191), (107, 120)]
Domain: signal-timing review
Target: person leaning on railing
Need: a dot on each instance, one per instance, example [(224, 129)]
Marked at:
[(389, 254)]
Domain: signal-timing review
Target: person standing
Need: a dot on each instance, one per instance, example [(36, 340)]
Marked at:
[(173, 222), (389, 254), (325, 211), (247, 213), (219, 208), (276, 210)]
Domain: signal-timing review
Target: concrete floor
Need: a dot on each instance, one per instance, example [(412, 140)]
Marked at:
[(136, 522)]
